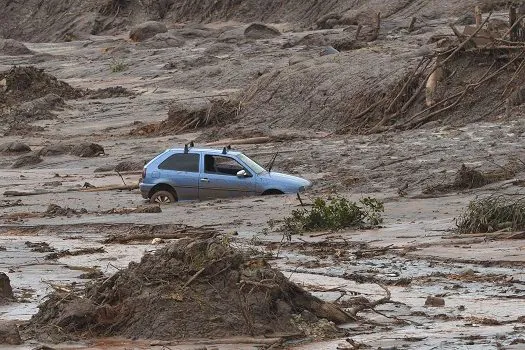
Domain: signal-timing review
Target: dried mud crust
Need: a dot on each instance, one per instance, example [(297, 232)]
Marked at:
[(189, 289)]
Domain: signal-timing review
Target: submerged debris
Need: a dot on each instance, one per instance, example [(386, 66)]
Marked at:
[(467, 178), (56, 210), (67, 252)]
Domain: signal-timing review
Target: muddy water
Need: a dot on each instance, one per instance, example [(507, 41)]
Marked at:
[(33, 277)]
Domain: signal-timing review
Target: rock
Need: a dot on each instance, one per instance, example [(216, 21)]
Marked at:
[(28, 160), (435, 301), (9, 333), (162, 41), (128, 165), (10, 47), (157, 241), (14, 147), (261, 31), (87, 150), (54, 150), (147, 30), (6, 292)]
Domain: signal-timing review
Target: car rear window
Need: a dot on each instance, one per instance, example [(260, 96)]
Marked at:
[(181, 162)]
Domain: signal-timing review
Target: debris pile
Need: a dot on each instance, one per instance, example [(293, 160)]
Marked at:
[(183, 117), (26, 83), (467, 178), (54, 210), (219, 290)]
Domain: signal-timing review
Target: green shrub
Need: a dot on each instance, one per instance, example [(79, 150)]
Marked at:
[(492, 214), (118, 66), (336, 214)]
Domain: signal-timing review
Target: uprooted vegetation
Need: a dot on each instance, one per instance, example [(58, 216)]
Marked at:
[(187, 116), (226, 292), (467, 178), (492, 214), (462, 81), (338, 213)]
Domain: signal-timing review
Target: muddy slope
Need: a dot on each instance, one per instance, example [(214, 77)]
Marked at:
[(55, 20)]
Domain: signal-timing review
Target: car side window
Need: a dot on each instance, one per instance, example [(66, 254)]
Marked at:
[(188, 162), (221, 165)]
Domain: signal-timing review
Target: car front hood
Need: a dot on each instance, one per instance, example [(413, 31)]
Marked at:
[(285, 179)]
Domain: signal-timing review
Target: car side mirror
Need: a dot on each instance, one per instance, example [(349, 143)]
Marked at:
[(242, 173)]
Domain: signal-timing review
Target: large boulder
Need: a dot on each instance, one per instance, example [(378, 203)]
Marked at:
[(147, 30), (14, 147), (26, 161), (10, 47), (87, 150), (54, 150), (261, 31)]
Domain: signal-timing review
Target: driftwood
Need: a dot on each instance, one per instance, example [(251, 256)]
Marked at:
[(371, 305), (110, 188)]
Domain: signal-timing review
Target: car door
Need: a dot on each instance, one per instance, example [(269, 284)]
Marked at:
[(181, 171), (219, 178)]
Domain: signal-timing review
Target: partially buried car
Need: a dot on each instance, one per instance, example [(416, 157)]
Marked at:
[(190, 173)]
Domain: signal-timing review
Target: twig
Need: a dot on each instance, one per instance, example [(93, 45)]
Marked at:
[(193, 277), (124, 182), (372, 305)]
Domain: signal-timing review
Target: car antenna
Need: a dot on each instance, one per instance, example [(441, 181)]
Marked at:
[(270, 165), (224, 150), (186, 150)]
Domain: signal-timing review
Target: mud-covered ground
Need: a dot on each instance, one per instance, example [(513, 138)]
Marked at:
[(415, 255)]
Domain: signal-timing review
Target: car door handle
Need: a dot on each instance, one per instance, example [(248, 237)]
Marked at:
[(205, 180)]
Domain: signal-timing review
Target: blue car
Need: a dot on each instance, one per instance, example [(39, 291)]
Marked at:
[(199, 174)]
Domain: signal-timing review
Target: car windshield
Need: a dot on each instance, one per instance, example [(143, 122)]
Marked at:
[(258, 169)]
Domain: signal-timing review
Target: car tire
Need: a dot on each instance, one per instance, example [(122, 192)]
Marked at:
[(162, 197)]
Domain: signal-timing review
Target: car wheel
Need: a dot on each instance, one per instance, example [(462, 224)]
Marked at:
[(162, 197)]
